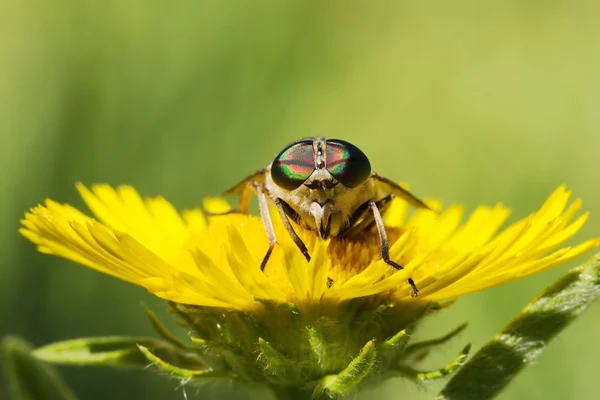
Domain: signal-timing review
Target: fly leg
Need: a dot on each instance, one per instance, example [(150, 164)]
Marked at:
[(362, 220), (263, 207), (385, 251), (281, 208), (264, 216), (285, 211), (245, 189)]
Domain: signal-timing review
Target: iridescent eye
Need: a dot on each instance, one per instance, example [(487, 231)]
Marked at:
[(294, 165), (347, 163)]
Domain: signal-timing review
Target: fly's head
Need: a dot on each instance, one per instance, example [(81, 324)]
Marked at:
[(323, 180)]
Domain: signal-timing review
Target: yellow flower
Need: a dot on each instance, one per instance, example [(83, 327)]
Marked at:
[(191, 259), (207, 265)]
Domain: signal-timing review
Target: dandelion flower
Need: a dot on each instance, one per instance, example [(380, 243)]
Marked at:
[(289, 326)]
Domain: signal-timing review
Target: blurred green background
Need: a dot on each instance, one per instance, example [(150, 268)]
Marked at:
[(472, 102)]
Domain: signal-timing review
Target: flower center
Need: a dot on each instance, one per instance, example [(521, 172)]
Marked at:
[(350, 256)]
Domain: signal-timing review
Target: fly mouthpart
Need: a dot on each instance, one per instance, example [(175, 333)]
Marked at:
[(325, 227), (321, 184)]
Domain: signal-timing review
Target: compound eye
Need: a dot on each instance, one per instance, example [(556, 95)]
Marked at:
[(294, 165), (347, 163)]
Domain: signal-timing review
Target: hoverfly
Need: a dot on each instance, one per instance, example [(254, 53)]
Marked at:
[(326, 186)]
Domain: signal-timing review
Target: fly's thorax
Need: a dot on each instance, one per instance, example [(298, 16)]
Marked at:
[(321, 209)]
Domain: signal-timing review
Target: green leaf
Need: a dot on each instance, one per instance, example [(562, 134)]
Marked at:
[(526, 336), (29, 378), (121, 351)]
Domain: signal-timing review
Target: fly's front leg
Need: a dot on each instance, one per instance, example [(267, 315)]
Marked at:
[(263, 207), (281, 206), (362, 220), (264, 215), (385, 250), (284, 209)]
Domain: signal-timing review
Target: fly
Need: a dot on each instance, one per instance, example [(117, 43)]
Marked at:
[(326, 186)]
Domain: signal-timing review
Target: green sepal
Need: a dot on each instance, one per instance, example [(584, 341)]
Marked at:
[(277, 366), (272, 356), (223, 356), (29, 378), (418, 350), (392, 349), (428, 376), (175, 371), (437, 306), (115, 351), (162, 330), (493, 367), (317, 344), (396, 342), (345, 381)]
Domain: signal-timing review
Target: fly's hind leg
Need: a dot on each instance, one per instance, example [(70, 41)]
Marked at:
[(385, 250)]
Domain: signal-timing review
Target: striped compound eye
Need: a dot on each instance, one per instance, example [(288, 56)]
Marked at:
[(294, 165), (347, 163)]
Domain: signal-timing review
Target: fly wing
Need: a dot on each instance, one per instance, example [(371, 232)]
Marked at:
[(392, 187), (237, 190)]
